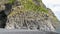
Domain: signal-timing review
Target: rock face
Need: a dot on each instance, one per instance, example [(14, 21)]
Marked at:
[(30, 15)]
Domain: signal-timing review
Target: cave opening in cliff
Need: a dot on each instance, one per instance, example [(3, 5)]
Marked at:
[(3, 15), (3, 19)]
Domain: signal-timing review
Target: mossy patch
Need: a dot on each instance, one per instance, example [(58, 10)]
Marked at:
[(11, 1)]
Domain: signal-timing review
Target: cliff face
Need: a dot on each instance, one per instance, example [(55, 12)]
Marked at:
[(30, 15)]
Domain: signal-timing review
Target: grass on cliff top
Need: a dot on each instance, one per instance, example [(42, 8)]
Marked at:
[(31, 5)]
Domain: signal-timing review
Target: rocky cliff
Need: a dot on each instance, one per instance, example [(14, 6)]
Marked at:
[(27, 14)]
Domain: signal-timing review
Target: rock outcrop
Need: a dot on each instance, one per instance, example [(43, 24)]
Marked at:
[(30, 15)]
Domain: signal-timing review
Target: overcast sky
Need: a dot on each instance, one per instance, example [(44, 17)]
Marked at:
[(54, 5)]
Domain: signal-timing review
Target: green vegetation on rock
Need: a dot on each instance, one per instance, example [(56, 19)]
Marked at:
[(30, 5), (11, 1)]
